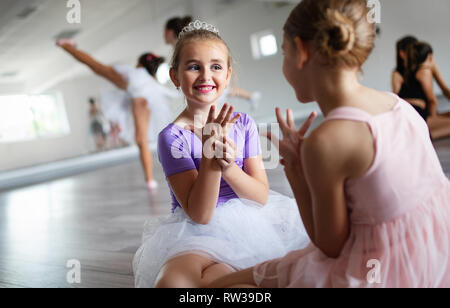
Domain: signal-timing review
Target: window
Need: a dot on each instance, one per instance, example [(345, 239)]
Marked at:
[(264, 44), (30, 117)]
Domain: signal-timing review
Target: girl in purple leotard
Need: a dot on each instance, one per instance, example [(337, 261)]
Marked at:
[(224, 217)]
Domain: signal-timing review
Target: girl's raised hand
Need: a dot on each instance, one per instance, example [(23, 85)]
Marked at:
[(216, 128), (290, 145), (223, 122)]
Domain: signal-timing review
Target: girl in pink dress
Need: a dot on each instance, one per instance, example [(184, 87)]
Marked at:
[(371, 192)]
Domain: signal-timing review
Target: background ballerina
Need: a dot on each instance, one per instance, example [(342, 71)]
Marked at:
[(140, 94)]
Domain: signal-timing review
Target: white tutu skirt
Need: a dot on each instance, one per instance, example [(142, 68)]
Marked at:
[(241, 234), (117, 107)]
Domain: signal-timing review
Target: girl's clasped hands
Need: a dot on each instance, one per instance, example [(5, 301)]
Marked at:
[(216, 143)]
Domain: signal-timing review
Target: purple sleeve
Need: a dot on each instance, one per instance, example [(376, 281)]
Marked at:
[(174, 151), (252, 141)]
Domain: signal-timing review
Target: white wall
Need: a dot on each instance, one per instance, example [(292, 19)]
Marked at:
[(141, 31), (263, 75)]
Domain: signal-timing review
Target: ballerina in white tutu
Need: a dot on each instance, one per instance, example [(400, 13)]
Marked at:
[(224, 218), (138, 93)]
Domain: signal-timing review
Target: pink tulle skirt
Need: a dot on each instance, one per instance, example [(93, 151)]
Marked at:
[(411, 251)]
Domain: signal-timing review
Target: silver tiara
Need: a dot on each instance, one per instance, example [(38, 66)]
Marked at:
[(198, 25)]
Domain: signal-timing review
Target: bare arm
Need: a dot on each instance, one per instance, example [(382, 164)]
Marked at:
[(425, 77), (297, 181), (100, 69), (250, 183), (335, 152), (198, 192), (326, 184), (397, 82), (440, 80)]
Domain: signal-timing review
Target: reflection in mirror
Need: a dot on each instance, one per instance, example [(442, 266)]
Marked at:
[(31, 117)]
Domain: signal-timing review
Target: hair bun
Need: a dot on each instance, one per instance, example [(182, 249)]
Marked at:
[(336, 35)]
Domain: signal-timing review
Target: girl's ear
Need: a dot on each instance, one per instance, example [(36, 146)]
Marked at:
[(230, 73), (302, 52), (174, 77)]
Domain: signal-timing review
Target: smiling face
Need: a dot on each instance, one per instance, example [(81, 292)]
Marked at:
[(203, 72)]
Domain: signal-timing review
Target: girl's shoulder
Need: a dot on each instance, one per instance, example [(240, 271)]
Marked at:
[(347, 145), (397, 74), (334, 132), (170, 133), (245, 121), (424, 72)]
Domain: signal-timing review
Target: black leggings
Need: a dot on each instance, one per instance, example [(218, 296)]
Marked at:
[(423, 112)]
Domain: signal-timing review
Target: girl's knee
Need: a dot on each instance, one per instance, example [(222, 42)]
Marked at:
[(176, 280), (141, 141), (183, 272), (214, 272)]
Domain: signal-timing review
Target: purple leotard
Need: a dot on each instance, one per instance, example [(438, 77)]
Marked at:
[(180, 150)]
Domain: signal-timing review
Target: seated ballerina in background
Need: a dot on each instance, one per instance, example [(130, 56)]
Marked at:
[(224, 218), (416, 87), (399, 73)]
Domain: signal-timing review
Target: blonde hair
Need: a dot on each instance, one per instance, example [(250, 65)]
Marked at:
[(339, 30), (192, 36)]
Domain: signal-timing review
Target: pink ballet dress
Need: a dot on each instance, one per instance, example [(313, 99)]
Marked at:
[(399, 213)]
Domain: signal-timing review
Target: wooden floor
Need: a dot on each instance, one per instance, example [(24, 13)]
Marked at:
[(95, 218)]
